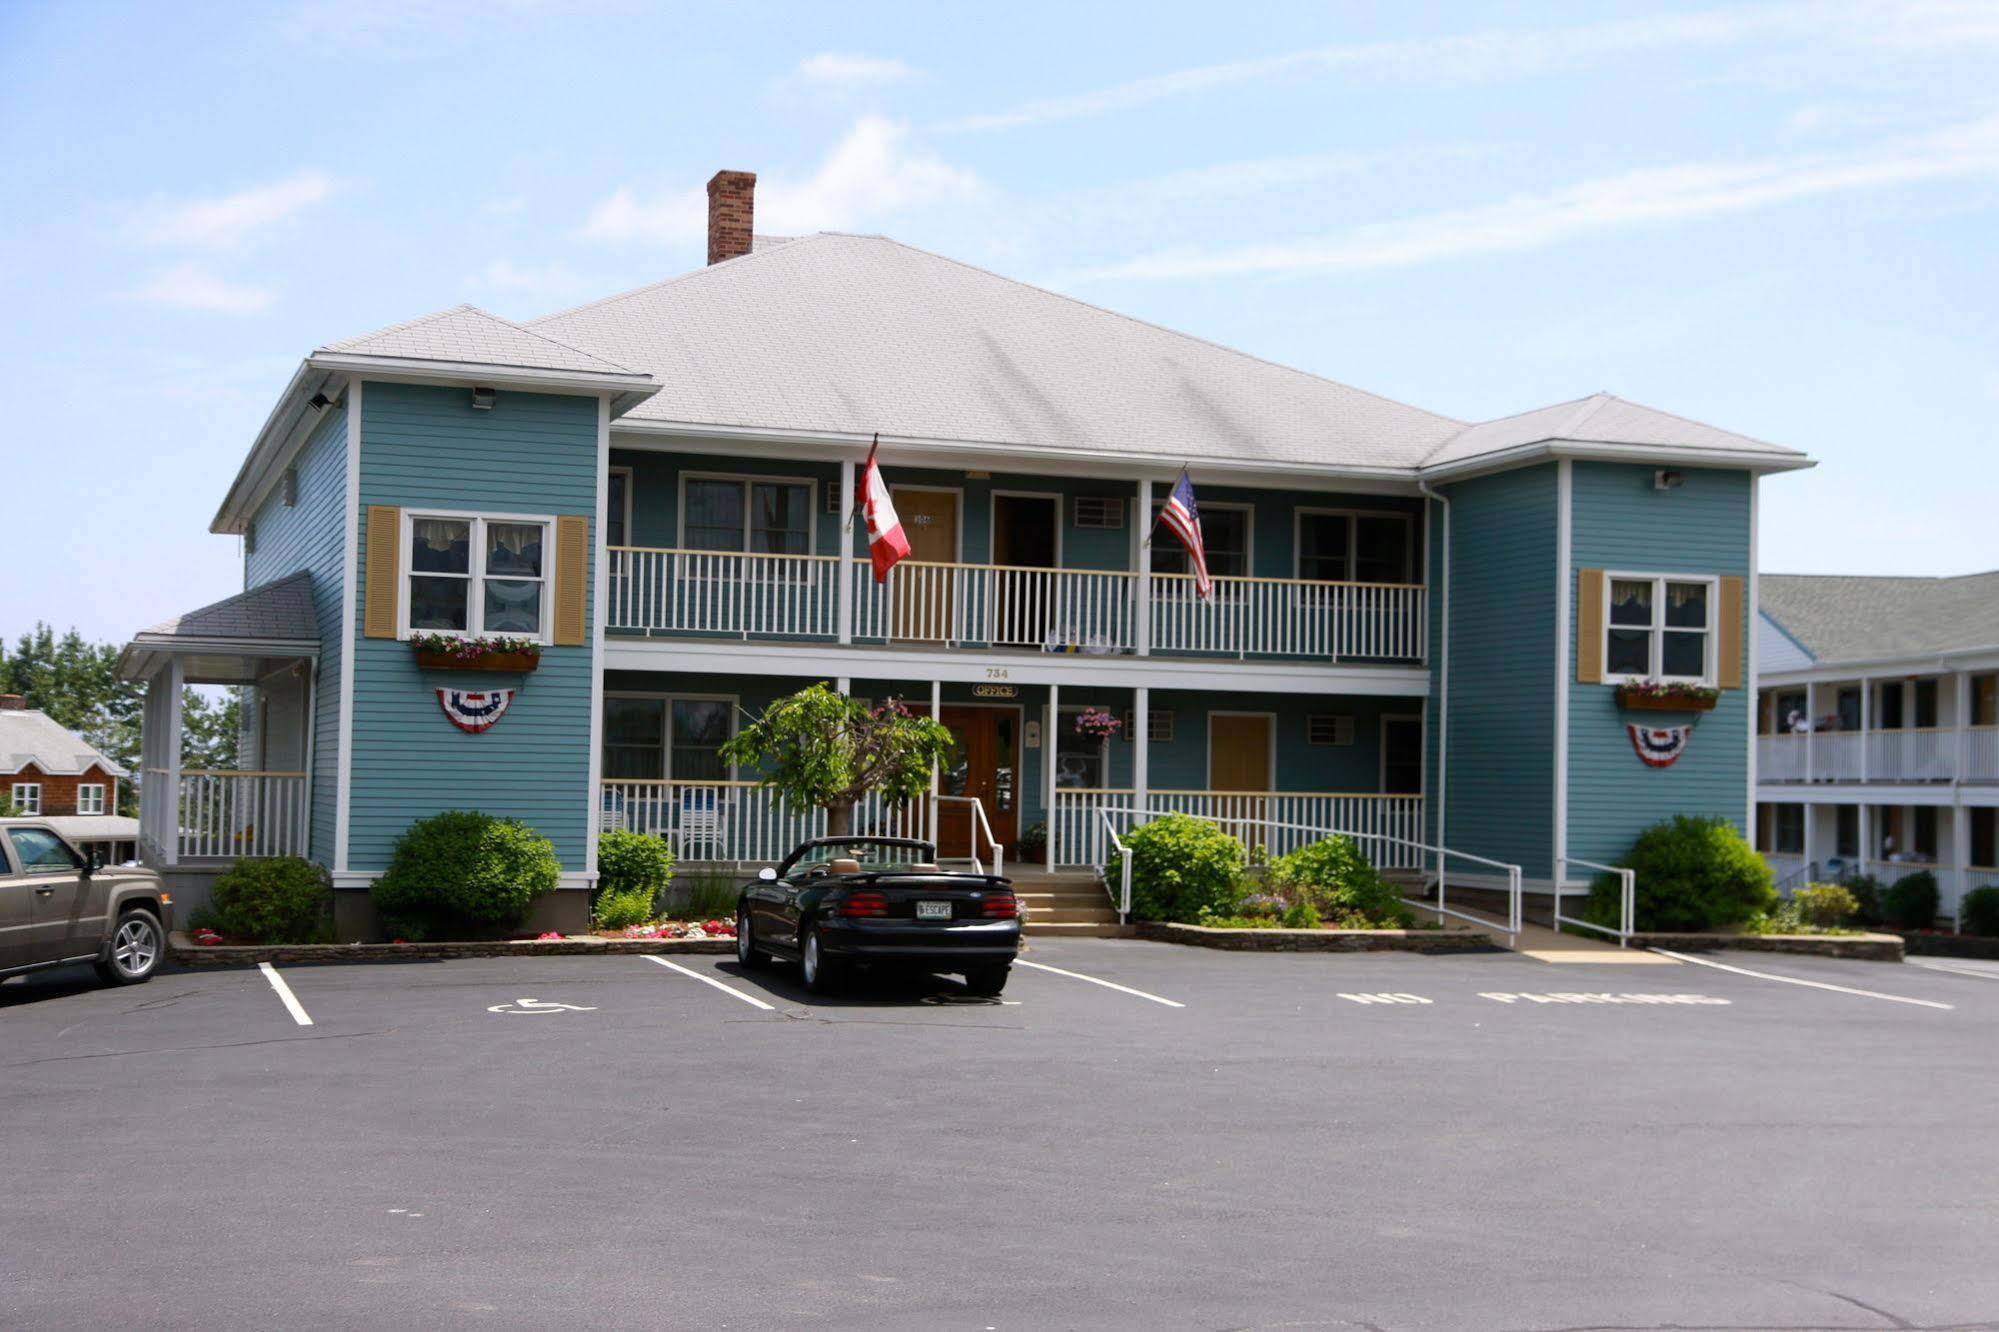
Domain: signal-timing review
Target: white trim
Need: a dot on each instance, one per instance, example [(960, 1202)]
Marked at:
[(102, 797), (350, 590), (1381, 776), (1602, 451), (475, 575), (449, 374), (1142, 562), (1270, 766), (1054, 734), (1564, 620), (1750, 636), (348, 880), (1299, 513), (1658, 629), (747, 479), (1441, 798), (26, 797), (992, 522), (669, 697), (599, 615)]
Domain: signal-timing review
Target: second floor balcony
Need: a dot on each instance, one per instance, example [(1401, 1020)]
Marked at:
[(1901, 755), (692, 593)]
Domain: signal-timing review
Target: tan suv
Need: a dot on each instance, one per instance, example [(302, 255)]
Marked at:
[(57, 908)]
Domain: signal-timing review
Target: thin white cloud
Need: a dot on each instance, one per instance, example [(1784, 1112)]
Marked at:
[(191, 287), (869, 177), (503, 275), (847, 69), (1902, 27), (1645, 197), (226, 220)]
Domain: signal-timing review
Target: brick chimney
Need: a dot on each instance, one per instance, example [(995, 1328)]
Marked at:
[(13, 703), (731, 207)]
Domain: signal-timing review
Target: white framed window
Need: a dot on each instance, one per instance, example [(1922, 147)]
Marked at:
[(1354, 546), (1329, 728), (668, 737), (618, 507), (27, 797), (1081, 761), (1659, 627), (467, 573), (90, 798), (756, 515), (1158, 728), (1225, 532)]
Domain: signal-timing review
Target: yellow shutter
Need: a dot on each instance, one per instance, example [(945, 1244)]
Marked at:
[(1728, 637), (385, 535), (1589, 626), (572, 580)]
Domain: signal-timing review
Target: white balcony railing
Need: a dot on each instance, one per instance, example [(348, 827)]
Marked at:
[(224, 813), (1079, 837), (1927, 754), (996, 606), (741, 822)]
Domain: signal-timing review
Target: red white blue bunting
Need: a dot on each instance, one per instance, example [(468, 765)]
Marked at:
[(1659, 746), (474, 710)]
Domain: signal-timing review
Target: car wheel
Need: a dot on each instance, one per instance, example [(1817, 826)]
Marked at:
[(987, 981), (821, 973), (747, 953), (136, 948)]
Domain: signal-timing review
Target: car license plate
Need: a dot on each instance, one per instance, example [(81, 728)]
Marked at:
[(933, 911)]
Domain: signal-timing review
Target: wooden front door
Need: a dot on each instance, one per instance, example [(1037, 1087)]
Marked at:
[(984, 762), (922, 600), (1238, 761)]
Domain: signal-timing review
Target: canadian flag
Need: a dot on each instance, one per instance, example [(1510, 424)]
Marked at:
[(886, 542)]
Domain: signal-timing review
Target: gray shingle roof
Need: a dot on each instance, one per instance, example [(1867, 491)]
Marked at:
[(1842, 619), (1597, 419), (279, 611), (467, 333), (28, 736), (853, 334)]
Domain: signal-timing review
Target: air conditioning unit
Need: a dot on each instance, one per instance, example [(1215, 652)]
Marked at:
[(1099, 511)]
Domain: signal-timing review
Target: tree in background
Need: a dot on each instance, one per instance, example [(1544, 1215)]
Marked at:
[(822, 748)]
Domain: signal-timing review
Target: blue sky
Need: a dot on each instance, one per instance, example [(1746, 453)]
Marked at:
[(1775, 217)]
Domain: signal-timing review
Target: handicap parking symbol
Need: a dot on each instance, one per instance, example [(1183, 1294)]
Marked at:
[(537, 1006)]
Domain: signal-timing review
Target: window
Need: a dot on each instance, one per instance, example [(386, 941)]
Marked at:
[(476, 575), (742, 515), (40, 851), (1658, 629), (654, 739), (1328, 728), (1846, 706), (90, 798), (290, 491), (1402, 755), (1846, 831), (1985, 700), (1924, 841), (1338, 546), (618, 508), (1079, 758), (1888, 716), (1788, 712), (1984, 837), (1159, 726), (1225, 533), (27, 797), (1926, 705), (1788, 830), (1104, 511)]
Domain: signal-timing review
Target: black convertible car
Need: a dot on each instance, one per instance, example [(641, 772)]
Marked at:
[(880, 902)]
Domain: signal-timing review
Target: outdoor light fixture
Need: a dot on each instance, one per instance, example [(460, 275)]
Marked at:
[(482, 399), (318, 402), (1666, 479)]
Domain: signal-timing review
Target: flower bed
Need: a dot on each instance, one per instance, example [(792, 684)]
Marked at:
[(674, 929), (1659, 696)]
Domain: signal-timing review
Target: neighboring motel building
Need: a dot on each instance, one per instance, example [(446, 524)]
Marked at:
[(1878, 728), (1417, 632)]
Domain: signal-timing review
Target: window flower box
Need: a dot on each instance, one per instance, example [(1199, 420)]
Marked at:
[(1655, 696), (451, 652)]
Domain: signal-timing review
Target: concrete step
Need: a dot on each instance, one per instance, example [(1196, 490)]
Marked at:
[(1110, 931), (1066, 897), (1072, 915)]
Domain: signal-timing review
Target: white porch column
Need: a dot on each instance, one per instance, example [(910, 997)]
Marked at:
[(1142, 561), (1811, 727), (1866, 726), (1960, 857), (1141, 751), (1811, 817), (1866, 837), (1960, 732), (843, 571), (937, 714), (170, 802), (1048, 763)]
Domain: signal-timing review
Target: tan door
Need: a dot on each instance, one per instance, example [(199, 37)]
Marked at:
[(1239, 760), (921, 597)]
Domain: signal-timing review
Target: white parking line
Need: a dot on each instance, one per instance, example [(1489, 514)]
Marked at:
[(1108, 985), (731, 990), (285, 993), (1793, 980), (1955, 971)]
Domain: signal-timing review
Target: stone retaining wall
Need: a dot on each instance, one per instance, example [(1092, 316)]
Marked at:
[(1865, 947), (1320, 941), (1951, 945)]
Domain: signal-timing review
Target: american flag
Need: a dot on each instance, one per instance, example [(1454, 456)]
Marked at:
[(1184, 518)]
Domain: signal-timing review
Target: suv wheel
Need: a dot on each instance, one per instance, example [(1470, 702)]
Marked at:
[(136, 947)]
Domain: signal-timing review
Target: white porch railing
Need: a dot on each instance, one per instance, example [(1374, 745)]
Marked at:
[(1926, 754), (997, 606), (223, 813), (1982, 754), (742, 823), (1387, 828)]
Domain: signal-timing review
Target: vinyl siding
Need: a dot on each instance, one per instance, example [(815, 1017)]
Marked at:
[(311, 534), (1502, 703), (424, 447), (1620, 522)]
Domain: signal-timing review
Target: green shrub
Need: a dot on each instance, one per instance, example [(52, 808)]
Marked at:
[(1180, 867), (462, 870), (1694, 874), (1335, 879), (632, 866), (616, 908), (1824, 904), (1911, 902), (1300, 915), (1032, 845), (1866, 890), (284, 899), (1978, 913)]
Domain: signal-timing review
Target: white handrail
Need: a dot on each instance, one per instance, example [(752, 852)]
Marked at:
[(1513, 874), (980, 824), (1123, 899), (1627, 898)]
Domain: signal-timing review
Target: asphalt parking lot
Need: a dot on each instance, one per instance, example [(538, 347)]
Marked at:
[(1228, 1140)]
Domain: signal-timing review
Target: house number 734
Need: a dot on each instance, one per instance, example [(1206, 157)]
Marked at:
[(996, 672)]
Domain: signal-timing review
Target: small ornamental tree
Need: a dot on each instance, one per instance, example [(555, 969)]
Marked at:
[(820, 748)]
